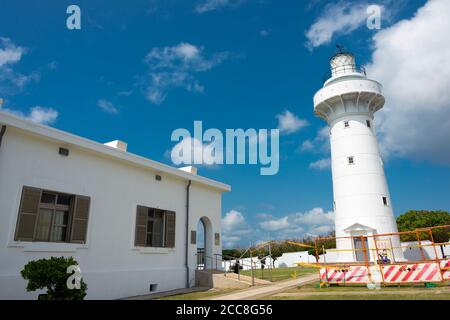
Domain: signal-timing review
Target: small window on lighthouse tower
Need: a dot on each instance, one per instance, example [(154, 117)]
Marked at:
[(368, 123), (346, 124), (385, 201), (351, 160)]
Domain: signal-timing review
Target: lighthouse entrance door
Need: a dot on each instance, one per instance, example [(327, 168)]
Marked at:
[(360, 244)]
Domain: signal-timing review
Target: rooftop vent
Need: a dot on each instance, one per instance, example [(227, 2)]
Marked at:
[(189, 169), (117, 144)]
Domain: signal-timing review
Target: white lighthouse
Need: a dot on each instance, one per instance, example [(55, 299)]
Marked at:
[(362, 204)]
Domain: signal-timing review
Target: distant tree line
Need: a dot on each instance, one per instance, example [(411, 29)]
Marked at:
[(415, 219), (278, 247)]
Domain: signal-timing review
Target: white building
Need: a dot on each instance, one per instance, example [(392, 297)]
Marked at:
[(130, 222), (290, 259), (348, 102)]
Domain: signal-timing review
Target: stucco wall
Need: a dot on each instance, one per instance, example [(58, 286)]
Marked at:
[(110, 264)]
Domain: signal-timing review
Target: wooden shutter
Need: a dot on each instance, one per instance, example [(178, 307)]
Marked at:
[(80, 219), (170, 229), (141, 227), (28, 212)]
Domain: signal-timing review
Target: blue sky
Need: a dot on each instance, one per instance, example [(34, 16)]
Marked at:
[(120, 77)]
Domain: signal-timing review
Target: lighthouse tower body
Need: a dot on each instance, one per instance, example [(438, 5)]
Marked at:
[(362, 203)]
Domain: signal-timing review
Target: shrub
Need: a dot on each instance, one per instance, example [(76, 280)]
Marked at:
[(51, 274)]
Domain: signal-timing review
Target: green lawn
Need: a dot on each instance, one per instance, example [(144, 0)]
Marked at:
[(311, 291), (280, 273)]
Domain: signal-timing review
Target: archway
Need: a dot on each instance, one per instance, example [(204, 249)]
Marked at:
[(204, 244)]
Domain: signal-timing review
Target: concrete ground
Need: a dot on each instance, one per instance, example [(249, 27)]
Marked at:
[(167, 293), (266, 290)]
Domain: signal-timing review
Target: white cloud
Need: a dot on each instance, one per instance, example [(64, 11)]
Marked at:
[(275, 225), (411, 60), (177, 66), (319, 145), (321, 164), (264, 216), (264, 33), (342, 17), (107, 106), (312, 222), (9, 52), (307, 145), (43, 115), (10, 80), (38, 114), (212, 5), (345, 16), (316, 216), (289, 123), (234, 228), (52, 65)]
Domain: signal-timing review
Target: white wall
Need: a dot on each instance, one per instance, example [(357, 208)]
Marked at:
[(359, 188), (413, 253), (111, 266)]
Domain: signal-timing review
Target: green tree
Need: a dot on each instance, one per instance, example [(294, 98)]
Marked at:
[(51, 274), (413, 219)]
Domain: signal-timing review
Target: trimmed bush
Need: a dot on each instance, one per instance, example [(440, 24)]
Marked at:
[(51, 274)]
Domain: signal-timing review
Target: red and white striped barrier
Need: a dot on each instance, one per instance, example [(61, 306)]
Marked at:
[(445, 267), (350, 274), (410, 273)]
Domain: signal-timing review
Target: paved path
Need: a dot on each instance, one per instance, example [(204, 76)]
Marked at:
[(261, 291), (167, 293)]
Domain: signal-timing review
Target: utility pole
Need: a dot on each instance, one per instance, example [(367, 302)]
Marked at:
[(270, 258)]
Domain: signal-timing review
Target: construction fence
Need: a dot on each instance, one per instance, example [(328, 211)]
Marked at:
[(422, 257)]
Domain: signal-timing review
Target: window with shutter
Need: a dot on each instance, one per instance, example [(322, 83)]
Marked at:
[(49, 216), (154, 228), (80, 219), (28, 214)]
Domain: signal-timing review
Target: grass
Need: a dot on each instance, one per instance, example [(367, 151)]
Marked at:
[(201, 295), (311, 291), (280, 273)]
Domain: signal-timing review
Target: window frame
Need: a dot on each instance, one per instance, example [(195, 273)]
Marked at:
[(346, 124), (55, 207), (350, 160), (152, 233), (164, 227), (69, 206)]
